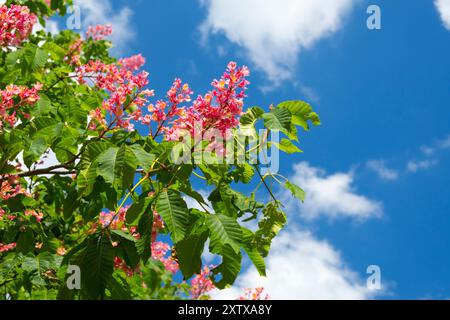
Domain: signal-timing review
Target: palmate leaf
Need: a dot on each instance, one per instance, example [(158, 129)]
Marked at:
[(174, 211), (97, 265), (224, 230)]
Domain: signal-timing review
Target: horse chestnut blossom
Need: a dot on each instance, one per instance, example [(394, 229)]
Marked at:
[(13, 100), (219, 109), (255, 294), (38, 215), (7, 247), (133, 63), (99, 32), (127, 93), (10, 187), (201, 284), (16, 24), (160, 251)]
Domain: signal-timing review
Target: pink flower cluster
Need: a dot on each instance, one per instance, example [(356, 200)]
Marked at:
[(73, 55), (16, 24), (220, 108), (160, 251), (255, 294), (133, 63), (127, 94), (7, 247), (38, 215), (177, 94), (99, 32), (202, 283), (10, 187), (12, 99)]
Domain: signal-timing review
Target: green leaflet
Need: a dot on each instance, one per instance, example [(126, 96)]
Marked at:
[(174, 211), (97, 266), (229, 268), (189, 252), (296, 190), (287, 146), (117, 166), (224, 230), (252, 252), (278, 119)]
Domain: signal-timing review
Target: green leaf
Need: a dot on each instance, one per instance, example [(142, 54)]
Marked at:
[(97, 266), (189, 252), (287, 146), (301, 112), (296, 190), (224, 230), (126, 248), (117, 166), (43, 106), (269, 226), (144, 158), (119, 288), (36, 57), (253, 253), (137, 209), (278, 119), (248, 121), (174, 211), (37, 149), (26, 241), (229, 268), (88, 166), (145, 228)]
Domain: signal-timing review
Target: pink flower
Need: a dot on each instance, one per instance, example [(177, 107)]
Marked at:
[(7, 247), (132, 63), (38, 215), (10, 187), (202, 283), (256, 294), (159, 252), (61, 251), (16, 24), (13, 101), (99, 32), (220, 108), (126, 93)]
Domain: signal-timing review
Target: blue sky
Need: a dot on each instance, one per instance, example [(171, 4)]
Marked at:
[(376, 171)]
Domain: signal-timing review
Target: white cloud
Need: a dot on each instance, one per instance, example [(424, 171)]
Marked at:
[(443, 7), (415, 166), (332, 195), (103, 12), (274, 32), (445, 144), (301, 267), (385, 173)]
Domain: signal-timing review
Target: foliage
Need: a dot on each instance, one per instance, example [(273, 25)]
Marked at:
[(114, 203)]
